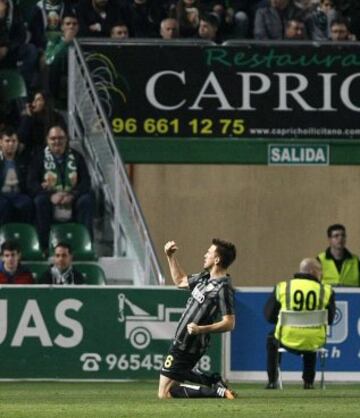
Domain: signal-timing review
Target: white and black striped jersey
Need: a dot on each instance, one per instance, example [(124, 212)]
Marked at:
[(210, 299)]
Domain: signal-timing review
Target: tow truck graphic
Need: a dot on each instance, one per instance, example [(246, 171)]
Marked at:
[(141, 327)]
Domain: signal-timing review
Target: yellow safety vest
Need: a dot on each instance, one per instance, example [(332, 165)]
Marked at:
[(302, 295), (349, 275)]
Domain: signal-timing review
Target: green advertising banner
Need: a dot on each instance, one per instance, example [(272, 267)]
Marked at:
[(90, 332)]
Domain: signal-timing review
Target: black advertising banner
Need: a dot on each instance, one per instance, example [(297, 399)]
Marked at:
[(251, 90)]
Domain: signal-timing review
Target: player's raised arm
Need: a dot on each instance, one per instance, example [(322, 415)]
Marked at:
[(177, 273)]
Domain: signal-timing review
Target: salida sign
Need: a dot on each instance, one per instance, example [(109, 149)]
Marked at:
[(251, 90), (290, 154)]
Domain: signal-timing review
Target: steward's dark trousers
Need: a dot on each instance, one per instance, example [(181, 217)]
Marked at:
[(274, 358)]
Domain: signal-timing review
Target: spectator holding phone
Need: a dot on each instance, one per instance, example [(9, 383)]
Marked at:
[(38, 116)]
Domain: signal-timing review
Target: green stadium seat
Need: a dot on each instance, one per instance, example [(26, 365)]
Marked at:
[(37, 269), (77, 236), (12, 86), (92, 273), (27, 237)]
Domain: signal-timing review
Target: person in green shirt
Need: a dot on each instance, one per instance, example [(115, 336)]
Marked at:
[(56, 54)]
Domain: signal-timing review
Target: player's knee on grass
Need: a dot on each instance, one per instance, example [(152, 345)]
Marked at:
[(164, 388), (164, 394)]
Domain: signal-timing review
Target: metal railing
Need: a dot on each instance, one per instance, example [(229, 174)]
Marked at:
[(88, 123)]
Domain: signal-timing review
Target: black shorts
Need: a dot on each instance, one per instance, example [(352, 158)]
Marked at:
[(178, 364)]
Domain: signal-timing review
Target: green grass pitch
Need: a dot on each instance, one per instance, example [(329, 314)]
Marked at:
[(138, 400)]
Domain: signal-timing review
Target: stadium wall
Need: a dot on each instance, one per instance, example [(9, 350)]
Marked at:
[(275, 215)]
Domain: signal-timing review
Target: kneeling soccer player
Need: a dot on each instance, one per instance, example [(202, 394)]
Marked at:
[(212, 296)]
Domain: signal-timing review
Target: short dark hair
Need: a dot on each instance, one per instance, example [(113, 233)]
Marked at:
[(340, 21), (294, 19), (64, 245), (226, 251), (58, 125), (210, 18), (119, 23), (71, 14), (10, 245), (8, 131), (335, 227)]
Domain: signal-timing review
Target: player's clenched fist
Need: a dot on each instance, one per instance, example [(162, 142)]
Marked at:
[(170, 248), (193, 329)]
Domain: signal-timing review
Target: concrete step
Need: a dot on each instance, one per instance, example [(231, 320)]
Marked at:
[(119, 270)]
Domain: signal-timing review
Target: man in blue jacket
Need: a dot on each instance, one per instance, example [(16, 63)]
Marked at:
[(15, 204)]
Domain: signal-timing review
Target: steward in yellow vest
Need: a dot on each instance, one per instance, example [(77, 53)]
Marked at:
[(303, 292), (343, 272), (339, 266)]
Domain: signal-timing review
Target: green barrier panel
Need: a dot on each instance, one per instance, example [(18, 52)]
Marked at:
[(228, 151), (90, 333)]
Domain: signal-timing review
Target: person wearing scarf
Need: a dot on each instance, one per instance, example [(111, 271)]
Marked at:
[(45, 22), (60, 184), (62, 271)]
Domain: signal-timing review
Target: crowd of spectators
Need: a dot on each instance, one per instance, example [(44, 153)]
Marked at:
[(37, 45), (41, 178), (60, 272)]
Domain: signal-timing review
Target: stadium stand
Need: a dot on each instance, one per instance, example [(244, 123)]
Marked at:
[(12, 85), (77, 236), (37, 269), (93, 273), (28, 238), (120, 233)]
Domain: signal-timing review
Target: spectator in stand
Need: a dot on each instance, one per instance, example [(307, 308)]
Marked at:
[(11, 270), (320, 19), (120, 30), (15, 204), (62, 271), (351, 10), (270, 21), (46, 19), (169, 28), (209, 28), (39, 115), (240, 14), (56, 56), (225, 18), (60, 184), (144, 17), (187, 13), (14, 51), (97, 17), (340, 32), (295, 30)]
